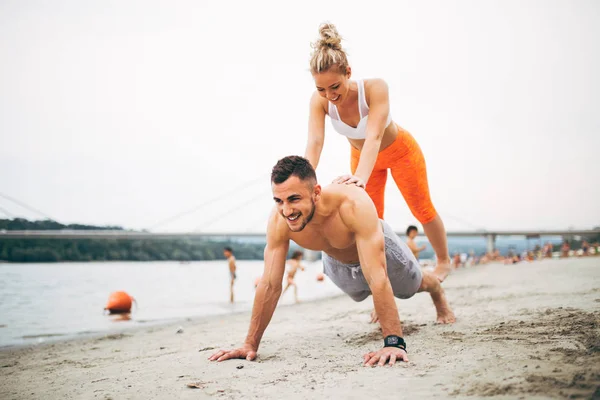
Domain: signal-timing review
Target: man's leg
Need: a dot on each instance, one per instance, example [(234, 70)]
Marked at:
[(231, 291), (347, 277), (432, 285), (407, 277)]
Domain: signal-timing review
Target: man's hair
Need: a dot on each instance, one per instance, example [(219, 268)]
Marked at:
[(297, 254), (410, 229), (227, 248), (293, 166)]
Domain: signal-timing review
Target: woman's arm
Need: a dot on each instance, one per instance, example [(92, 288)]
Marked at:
[(316, 130), (379, 109)]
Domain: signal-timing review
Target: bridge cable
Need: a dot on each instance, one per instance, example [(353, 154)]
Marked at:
[(28, 207), (231, 210), (214, 199)]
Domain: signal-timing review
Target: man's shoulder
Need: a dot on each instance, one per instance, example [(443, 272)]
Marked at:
[(354, 205), (347, 197)]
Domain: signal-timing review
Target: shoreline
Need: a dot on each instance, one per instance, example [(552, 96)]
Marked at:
[(529, 330), (59, 338)]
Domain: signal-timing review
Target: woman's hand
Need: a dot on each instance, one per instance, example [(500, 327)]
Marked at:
[(350, 180)]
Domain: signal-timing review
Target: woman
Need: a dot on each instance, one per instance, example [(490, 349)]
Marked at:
[(359, 110)]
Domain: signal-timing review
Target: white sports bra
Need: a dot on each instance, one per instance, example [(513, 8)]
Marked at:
[(360, 132)]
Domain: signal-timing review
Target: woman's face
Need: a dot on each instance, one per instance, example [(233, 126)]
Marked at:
[(333, 85)]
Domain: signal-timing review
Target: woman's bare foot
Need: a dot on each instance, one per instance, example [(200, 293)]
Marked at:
[(442, 269)]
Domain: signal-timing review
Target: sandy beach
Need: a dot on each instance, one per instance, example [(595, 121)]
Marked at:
[(527, 331)]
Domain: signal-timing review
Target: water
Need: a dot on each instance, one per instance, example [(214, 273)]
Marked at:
[(42, 302)]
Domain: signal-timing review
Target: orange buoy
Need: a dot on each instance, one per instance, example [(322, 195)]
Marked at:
[(320, 276), (119, 302)]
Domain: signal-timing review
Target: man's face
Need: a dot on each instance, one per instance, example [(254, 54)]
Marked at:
[(296, 201), (413, 234), (226, 253)]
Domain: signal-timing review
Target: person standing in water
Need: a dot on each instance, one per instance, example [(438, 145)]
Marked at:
[(228, 253), (293, 264), (360, 110), (411, 234)]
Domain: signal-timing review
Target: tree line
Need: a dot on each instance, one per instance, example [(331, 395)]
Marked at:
[(56, 250)]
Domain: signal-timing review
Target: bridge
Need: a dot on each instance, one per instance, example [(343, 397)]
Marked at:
[(151, 233), (490, 236)]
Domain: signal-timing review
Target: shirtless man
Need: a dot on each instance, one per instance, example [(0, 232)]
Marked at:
[(228, 253), (294, 264), (411, 234), (362, 256)]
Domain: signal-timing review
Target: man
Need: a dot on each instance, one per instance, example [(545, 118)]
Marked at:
[(228, 253), (411, 234), (362, 256), (294, 264)]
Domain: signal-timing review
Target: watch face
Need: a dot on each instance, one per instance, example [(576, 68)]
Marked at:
[(392, 340)]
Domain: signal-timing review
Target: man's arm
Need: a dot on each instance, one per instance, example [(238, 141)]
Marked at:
[(267, 294), (268, 290), (360, 216)]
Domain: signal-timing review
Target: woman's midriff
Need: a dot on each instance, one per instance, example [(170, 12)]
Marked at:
[(389, 137)]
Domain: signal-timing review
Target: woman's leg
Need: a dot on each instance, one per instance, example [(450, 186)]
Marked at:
[(410, 174)]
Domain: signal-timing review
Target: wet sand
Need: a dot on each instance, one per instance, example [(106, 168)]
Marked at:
[(527, 331)]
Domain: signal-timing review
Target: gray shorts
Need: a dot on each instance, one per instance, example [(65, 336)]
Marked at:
[(403, 270)]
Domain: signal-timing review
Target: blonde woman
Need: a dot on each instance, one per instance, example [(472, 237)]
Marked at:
[(360, 110)]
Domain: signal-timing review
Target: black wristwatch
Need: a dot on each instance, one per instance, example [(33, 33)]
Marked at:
[(394, 341)]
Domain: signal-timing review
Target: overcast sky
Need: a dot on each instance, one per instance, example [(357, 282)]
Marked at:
[(130, 112)]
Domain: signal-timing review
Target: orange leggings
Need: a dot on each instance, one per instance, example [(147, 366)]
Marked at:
[(405, 159)]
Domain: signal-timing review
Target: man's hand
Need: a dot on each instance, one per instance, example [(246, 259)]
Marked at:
[(246, 351), (381, 356), (350, 180)]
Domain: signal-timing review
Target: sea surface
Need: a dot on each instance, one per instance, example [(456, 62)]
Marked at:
[(42, 302)]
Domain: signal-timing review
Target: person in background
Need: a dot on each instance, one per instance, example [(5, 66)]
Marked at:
[(548, 250), (411, 234), (585, 246), (564, 249), (456, 260), (293, 264), (228, 253)]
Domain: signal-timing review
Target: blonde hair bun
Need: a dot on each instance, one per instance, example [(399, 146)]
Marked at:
[(329, 37), (327, 51)]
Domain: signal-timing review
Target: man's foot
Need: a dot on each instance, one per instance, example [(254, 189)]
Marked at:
[(442, 269), (442, 308), (445, 316)]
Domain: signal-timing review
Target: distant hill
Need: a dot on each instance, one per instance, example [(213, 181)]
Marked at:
[(21, 224), (56, 249)]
